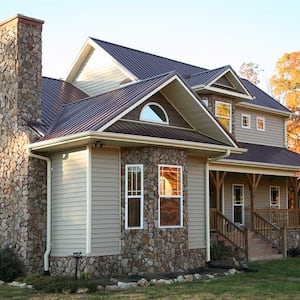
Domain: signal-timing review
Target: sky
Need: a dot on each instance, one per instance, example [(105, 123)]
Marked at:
[(206, 33)]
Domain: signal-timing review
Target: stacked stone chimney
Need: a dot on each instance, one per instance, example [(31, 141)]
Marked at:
[(22, 179)]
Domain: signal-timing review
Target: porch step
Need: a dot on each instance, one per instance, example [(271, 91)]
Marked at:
[(259, 249)]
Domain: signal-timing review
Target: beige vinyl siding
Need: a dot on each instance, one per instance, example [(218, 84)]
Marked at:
[(105, 202), (99, 73), (69, 190), (262, 195), (274, 132), (196, 203)]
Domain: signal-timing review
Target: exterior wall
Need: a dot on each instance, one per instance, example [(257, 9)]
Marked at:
[(22, 179), (105, 202), (147, 250), (175, 119), (196, 203), (69, 202), (99, 73), (274, 132), (262, 196)]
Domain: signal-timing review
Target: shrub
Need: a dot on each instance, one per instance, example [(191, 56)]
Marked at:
[(10, 265)]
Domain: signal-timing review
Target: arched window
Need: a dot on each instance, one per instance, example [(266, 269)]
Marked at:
[(153, 112)]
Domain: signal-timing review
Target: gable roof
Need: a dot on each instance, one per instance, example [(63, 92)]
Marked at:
[(94, 115), (145, 65), (263, 99)]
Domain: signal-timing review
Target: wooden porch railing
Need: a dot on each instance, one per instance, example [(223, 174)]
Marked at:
[(267, 230), (288, 218), (229, 230)]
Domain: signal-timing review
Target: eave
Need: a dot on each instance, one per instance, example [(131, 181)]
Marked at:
[(125, 140), (248, 167), (264, 109)]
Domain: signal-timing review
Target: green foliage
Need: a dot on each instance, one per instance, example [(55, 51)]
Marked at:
[(59, 284), (10, 265)]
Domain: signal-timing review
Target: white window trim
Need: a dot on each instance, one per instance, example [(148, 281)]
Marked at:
[(149, 120), (230, 116), (270, 195), (249, 121), (141, 197), (264, 123), (243, 205), (177, 196)]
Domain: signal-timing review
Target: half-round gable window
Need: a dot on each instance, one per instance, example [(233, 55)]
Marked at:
[(153, 112)]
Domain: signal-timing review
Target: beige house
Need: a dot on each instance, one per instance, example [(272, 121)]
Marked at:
[(136, 161)]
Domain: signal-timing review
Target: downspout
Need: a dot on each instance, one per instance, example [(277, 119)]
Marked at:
[(207, 211), (48, 237)]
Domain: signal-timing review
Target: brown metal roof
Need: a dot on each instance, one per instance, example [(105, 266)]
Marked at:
[(268, 155), (160, 131), (92, 113)]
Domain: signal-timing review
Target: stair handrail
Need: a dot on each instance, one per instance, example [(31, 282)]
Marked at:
[(232, 232), (267, 230)]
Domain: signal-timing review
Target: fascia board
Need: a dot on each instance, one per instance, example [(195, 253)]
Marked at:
[(230, 93), (264, 108), (118, 64), (89, 137), (261, 167)]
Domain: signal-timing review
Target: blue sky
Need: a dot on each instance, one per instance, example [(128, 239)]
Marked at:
[(206, 33)]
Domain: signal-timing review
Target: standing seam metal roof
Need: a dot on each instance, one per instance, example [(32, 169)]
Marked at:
[(145, 65), (92, 113)]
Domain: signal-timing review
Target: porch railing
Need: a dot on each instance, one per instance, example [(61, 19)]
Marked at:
[(267, 230), (288, 218), (229, 230)]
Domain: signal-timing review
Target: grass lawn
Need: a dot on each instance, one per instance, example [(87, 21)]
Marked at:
[(277, 279)]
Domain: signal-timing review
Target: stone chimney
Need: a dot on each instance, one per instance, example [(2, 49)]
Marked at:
[(22, 179)]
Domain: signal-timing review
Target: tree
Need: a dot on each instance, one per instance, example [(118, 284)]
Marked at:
[(285, 85), (250, 71)]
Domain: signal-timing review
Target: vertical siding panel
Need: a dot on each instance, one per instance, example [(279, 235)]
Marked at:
[(196, 203), (98, 73), (273, 134), (106, 227), (68, 203)]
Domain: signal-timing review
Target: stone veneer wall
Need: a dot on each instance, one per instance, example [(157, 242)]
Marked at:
[(22, 179), (151, 249)]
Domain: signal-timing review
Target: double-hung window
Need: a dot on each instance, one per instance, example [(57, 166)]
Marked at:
[(170, 200), (260, 123), (134, 196), (223, 114), (246, 121)]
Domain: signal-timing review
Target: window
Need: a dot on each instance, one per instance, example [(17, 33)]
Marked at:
[(153, 112), (274, 197), (134, 197), (170, 196), (223, 114), (205, 101), (260, 123), (246, 121), (238, 203)]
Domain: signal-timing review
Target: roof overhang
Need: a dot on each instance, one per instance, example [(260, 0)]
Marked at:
[(265, 109), (125, 140), (241, 92), (247, 167)]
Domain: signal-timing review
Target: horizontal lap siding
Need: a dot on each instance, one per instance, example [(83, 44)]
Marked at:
[(105, 228), (196, 203), (273, 135), (69, 190), (99, 73)]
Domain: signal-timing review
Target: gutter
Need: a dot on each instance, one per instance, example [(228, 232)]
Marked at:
[(207, 211), (48, 237)]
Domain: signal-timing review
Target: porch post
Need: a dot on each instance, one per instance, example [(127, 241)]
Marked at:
[(217, 181), (253, 180)]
